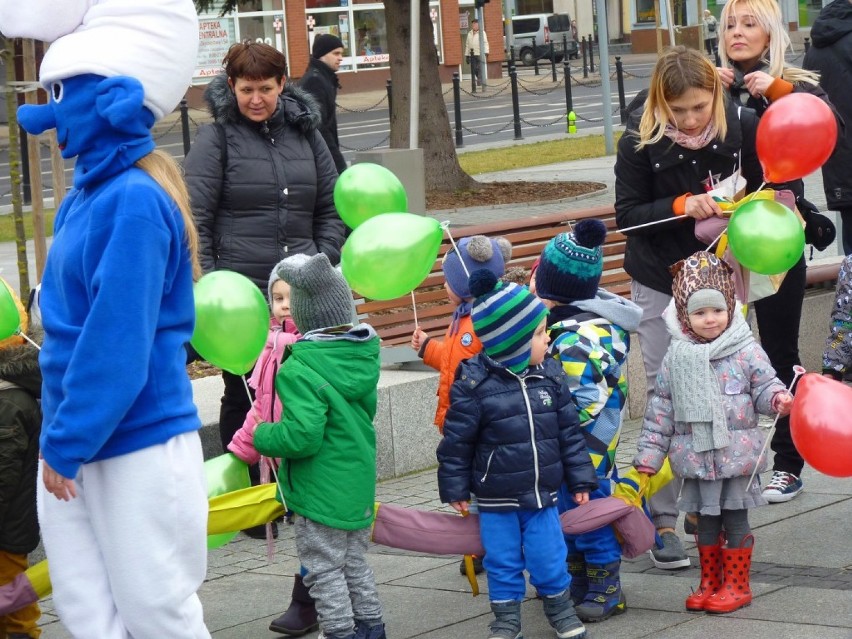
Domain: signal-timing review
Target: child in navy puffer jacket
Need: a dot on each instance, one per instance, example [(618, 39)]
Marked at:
[(511, 437)]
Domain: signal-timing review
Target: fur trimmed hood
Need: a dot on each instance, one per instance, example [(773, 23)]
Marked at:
[(295, 106), (19, 364)]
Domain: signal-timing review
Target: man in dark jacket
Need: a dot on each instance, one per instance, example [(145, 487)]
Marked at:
[(320, 80), (831, 55)]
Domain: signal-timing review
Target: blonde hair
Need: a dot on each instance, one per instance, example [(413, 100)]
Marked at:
[(767, 14), (166, 172), (677, 71)]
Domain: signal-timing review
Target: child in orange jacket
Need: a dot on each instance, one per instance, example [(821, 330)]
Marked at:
[(460, 342)]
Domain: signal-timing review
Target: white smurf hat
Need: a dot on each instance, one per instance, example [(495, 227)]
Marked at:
[(154, 41)]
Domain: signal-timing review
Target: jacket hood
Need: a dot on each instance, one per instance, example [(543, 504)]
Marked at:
[(348, 361), (295, 106), (834, 22), (613, 308), (19, 364)]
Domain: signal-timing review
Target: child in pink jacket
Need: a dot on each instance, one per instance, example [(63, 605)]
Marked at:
[(301, 615)]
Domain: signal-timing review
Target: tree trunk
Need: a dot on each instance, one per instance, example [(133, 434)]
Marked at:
[(8, 53), (443, 172)]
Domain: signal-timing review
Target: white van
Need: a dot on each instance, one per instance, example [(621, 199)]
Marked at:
[(532, 34)]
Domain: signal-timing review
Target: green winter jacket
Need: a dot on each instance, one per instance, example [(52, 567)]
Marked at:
[(327, 385)]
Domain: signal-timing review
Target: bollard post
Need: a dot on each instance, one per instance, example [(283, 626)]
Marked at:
[(457, 108), (565, 46), (516, 109), (535, 55), (591, 54), (807, 44), (184, 125), (512, 56), (472, 74), (572, 122), (390, 100), (585, 61), (619, 75), (552, 61), (569, 100)]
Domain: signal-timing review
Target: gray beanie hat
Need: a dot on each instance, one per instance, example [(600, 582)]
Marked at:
[(319, 295), (273, 277)]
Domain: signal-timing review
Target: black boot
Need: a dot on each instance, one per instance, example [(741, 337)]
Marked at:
[(301, 617), (579, 580), (562, 617), (604, 597)]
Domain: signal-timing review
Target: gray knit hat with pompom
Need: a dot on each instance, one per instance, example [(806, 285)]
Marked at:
[(477, 251)]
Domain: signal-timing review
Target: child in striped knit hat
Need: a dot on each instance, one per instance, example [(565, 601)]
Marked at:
[(511, 437)]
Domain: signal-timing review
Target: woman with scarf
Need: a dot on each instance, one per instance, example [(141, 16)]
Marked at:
[(752, 46), (687, 140)]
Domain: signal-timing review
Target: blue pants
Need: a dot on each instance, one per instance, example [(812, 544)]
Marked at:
[(599, 547), (525, 539)]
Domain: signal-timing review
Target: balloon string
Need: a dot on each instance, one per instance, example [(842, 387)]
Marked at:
[(798, 371), (414, 306), (24, 335), (456, 248), (718, 237), (642, 226)]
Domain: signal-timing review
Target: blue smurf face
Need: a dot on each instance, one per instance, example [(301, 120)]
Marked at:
[(88, 111)]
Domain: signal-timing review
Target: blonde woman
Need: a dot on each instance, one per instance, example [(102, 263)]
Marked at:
[(753, 42), (686, 137)]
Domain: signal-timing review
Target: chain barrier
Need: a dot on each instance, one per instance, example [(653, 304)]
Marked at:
[(629, 74), (353, 110), (558, 119), (500, 130), (167, 131), (484, 97), (588, 85), (367, 148), (555, 86)]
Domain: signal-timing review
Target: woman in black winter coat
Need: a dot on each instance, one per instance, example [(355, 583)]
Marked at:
[(261, 183), (687, 136), (753, 41)]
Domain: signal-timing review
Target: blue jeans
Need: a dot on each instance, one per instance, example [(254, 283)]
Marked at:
[(599, 547), (525, 539)]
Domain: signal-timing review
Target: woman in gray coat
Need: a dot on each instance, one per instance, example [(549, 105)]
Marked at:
[(261, 183)]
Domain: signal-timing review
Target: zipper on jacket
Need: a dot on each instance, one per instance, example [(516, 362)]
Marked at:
[(487, 466), (532, 439)]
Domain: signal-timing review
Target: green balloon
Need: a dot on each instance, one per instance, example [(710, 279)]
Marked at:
[(224, 474), (231, 321), (766, 237), (10, 318), (390, 254), (365, 190)]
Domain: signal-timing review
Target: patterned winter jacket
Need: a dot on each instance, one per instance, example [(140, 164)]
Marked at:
[(837, 356), (748, 384), (592, 350), (511, 440), (445, 357)]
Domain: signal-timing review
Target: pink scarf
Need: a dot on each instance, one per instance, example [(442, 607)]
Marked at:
[(692, 142)]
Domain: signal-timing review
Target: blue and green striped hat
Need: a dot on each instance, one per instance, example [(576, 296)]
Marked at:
[(505, 317)]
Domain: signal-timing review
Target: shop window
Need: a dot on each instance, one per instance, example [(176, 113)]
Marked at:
[(645, 12), (336, 23), (245, 6), (371, 49)]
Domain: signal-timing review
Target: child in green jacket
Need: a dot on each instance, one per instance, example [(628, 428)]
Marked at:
[(325, 437)]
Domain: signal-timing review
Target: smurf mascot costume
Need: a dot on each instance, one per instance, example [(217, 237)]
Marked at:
[(122, 500)]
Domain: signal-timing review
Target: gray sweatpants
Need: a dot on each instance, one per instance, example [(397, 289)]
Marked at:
[(654, 339), (341, 582)]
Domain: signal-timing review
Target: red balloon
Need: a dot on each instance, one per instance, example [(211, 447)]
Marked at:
[(821, 424), (795, 137)]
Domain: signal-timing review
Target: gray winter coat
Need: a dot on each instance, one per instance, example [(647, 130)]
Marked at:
[(270, 193), (748, 384)]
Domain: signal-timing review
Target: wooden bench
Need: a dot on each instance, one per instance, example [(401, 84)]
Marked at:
[(394, 319)]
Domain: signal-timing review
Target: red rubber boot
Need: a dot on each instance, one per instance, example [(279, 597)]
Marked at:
[(710, 559), (735, 592)]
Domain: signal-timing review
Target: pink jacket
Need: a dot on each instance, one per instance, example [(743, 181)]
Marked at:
[(266, 406)]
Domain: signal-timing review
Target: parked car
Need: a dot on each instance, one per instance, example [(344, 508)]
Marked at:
[(533, 33)]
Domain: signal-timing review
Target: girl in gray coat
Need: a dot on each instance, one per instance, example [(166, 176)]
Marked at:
[(714, 381)]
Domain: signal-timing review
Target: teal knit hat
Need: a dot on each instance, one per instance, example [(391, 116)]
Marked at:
[(505, 317), (572, 263)]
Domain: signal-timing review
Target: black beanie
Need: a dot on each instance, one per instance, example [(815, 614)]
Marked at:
[(325, 43)]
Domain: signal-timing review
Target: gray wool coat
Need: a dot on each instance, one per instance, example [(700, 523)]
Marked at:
[(269, 192)]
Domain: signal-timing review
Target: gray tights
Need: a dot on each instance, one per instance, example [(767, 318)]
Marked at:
[(734, 522)]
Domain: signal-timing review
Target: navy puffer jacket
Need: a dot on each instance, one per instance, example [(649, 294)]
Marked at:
[(269, 192), (511, 441)]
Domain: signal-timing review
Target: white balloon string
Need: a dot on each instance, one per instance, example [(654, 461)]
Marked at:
[(642, 226), (414, 306), (798, 371), (718, 237), (29, 340), (456, 248)]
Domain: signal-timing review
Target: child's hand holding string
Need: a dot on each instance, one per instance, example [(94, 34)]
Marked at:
[(782, 403), (418, 338)]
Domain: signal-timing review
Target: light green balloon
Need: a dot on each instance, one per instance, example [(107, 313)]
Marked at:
[(390, 254), (10, 318), (224, 474), (365, 190), (766, 237), (231, 321)]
